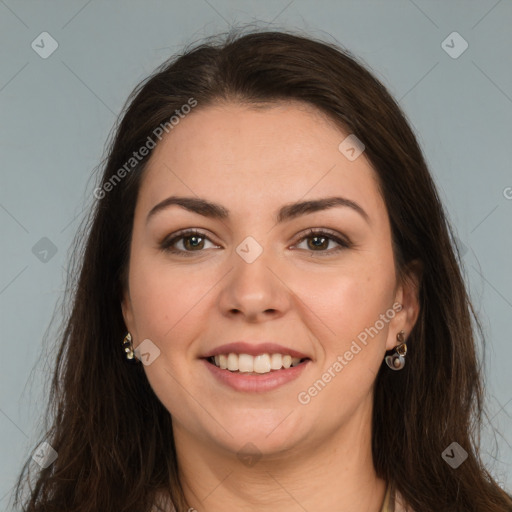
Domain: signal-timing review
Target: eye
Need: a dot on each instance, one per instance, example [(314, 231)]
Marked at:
[(320, 239), (192, 241)]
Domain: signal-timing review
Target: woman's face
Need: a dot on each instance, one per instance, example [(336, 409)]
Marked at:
[(256, 275)]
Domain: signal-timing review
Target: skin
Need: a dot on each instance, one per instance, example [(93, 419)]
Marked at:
[(253, 161)]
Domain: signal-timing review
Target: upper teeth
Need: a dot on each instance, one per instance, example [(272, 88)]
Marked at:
[(263, 363)]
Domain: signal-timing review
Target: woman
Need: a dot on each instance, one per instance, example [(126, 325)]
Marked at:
[(269, 313)]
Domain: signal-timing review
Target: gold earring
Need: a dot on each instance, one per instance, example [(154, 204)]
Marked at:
[(128, 346), (396, 361)]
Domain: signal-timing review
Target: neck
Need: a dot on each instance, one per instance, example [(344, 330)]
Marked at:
[(333, 472)]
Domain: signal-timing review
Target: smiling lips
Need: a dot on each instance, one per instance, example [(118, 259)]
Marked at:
[(259, 358), (262, 363)]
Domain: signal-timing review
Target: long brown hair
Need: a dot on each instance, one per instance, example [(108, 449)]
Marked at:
[(114, 437)]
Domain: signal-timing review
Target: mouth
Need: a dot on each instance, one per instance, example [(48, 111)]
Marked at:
[(255, 367), (260, 364)]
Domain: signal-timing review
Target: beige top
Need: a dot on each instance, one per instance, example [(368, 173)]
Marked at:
[(387, 497), (393, 501)]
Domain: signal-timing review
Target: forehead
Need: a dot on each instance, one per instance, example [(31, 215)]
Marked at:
[(277, 153)]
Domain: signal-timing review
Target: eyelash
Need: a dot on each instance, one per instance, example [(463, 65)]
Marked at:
[(166, 244)]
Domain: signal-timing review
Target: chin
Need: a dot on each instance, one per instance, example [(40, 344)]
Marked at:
[(265, 436)]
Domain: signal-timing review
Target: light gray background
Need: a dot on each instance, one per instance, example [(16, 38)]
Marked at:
[(56, 114)]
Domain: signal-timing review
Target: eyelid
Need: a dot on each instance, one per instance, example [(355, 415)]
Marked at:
[(342, 240), (167, 243)]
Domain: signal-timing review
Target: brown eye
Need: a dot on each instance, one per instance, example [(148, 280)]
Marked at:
[(194, 242), (191, 240), (318, 241)]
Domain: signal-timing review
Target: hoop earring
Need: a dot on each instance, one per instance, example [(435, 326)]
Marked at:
[(128, 346), (396, 361)]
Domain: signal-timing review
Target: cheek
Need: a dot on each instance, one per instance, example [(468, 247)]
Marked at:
[(353, 347), (167, 305), (353, 297), (350, 303), (165, 296)]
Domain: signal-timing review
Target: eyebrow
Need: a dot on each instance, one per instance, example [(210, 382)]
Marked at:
[(287, 212)]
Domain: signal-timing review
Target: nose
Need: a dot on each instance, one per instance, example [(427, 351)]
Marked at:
[(254, 290)]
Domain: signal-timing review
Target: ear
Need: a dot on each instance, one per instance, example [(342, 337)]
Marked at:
[(127, 309), (407, 295)]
